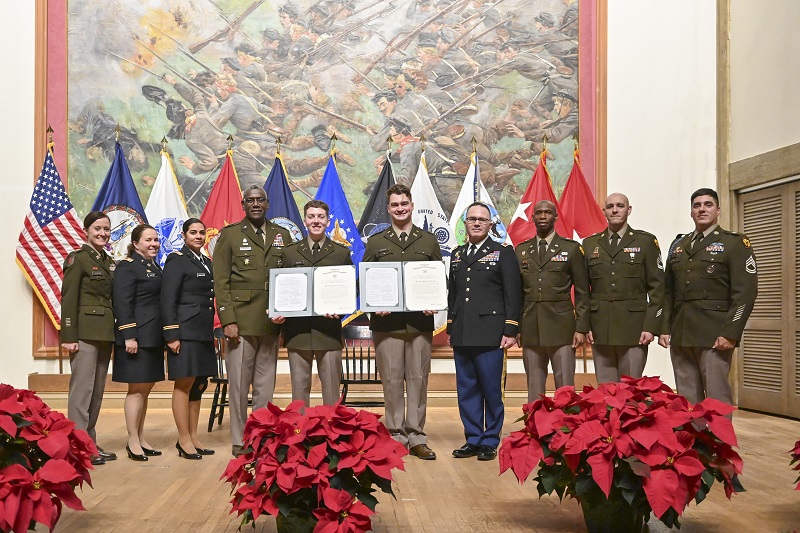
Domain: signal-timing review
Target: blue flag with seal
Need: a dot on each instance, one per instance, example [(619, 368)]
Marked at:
[(282, 207), (120, 201), (341, 228)]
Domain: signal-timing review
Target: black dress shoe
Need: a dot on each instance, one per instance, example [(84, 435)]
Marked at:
[(108, 456), (487, 453), (186, 455), (467, 450), (135, 456), (204, 451), (97, 460), (151, 453)]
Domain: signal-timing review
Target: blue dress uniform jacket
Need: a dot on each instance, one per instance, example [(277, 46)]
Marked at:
[(484, 295), (137, 306), (187, 297), (549, 317), (710, 289), (626, 287), (386, 247)]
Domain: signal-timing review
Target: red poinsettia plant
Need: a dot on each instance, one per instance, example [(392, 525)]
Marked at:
[(314, 468), (635, 443), (795, 453), (43, 458)]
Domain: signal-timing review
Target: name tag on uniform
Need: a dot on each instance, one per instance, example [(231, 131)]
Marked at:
[(97, 274), (245, 248), (151, 274), (201, 275)]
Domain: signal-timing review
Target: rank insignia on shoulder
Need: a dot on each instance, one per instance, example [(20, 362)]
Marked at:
[(659, 262), (746, 242), (128, 259), (750, 265)]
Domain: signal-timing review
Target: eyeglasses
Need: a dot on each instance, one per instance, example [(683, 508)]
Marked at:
[(257, 200), (478, 220)]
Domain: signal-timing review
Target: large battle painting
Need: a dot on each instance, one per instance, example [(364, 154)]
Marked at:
[(434, 72)]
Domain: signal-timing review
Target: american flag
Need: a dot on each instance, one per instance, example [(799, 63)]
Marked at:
[(52, 230)]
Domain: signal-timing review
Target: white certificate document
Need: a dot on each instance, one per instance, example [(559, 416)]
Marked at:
[(425, 285), (382, 287), (289, 292), (334, 290)]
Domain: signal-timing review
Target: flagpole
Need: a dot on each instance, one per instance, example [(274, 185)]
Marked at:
[(51, 149)]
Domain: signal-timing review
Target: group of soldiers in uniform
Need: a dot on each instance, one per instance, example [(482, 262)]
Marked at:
[(550, 295)]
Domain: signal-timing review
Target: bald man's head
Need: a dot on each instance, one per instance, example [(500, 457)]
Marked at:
[(544, 216), (617, 209)]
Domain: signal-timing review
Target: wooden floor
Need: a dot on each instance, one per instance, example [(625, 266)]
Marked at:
[(169, 494)]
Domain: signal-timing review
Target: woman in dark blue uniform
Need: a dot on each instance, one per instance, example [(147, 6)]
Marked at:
[(139, 345), (187, 307), (87, 325)]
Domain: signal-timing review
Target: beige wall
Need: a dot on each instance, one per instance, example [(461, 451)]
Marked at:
[(764, 73), (661, 139), (661, 116)]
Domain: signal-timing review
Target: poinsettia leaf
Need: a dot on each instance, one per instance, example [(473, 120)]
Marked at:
[(661, 487), (708, 478), (629, 496), (368, 499), (584, 484), (701, 494), (737, 485), (638, 467), (384, 484), (670, 519)]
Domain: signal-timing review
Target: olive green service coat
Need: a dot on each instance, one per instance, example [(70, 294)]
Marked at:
[(626, 287), (86, 310), (548, 316), (710, 289), (313, 332), (242, 261)]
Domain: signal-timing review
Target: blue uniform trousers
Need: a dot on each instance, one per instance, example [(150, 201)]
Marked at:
[(479, 371)]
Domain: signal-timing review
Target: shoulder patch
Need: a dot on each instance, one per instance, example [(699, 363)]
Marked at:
[(581, 249), (128, 259), (746, 242), (70, 260), (656, 243)]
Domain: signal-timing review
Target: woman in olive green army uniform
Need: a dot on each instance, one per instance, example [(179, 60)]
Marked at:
[(87, 325)]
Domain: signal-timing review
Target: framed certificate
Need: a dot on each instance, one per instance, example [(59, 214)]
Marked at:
[(290, 291), (381, 286), (334, 290), (425, 285)]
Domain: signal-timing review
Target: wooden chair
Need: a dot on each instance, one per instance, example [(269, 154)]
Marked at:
[(358, 363), (220, 381)]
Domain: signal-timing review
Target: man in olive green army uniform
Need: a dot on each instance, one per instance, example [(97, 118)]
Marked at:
[(626, 290), (311, 337), (551, 327), (711, 287), (403, 340), (243, 256)]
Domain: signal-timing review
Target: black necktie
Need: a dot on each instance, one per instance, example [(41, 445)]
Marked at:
[(472, 250), (614, 240), (315, 248), (696, 239), (542, 249)]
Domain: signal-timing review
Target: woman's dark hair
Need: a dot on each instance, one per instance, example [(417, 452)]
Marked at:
[(136, 234), (93, 217), (190, 221)]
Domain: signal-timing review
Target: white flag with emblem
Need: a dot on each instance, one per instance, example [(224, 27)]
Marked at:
[(429, 215), (166, 210), (472, 191)]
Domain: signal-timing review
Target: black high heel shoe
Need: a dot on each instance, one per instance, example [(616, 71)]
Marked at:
[(204, 451), (135, 456), (151, 453), (186, 455)]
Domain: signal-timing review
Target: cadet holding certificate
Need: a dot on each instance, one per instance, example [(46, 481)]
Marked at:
[(310, 337), (403, 339)]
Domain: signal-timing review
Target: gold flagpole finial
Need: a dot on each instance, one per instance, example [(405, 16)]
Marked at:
[(278, 143), (389, 143), (116, 133), (334, 138), (474, 142), (422, 140), (575, 141), (49, 133), (230, 142), (164, 143), (544, 143)]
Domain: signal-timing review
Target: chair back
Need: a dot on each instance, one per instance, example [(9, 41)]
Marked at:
[(358, 359)]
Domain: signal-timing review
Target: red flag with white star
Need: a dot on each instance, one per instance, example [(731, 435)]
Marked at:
[(540, 188)]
